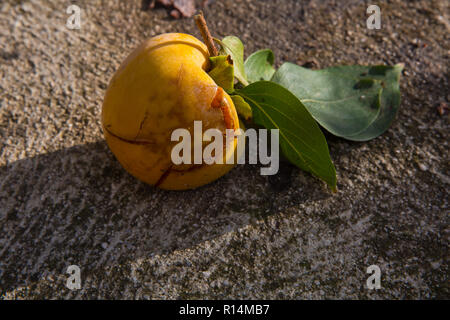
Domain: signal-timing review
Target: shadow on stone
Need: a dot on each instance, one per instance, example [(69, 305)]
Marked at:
[(78, 206)]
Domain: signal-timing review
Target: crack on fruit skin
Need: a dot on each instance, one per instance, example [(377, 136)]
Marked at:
[(192, 168), (141, 125), (163, 176), (127, 140), (181, 42), (171, 169)]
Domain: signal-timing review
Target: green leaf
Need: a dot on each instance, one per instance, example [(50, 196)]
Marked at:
[(390, 101), (243, 108), (354, 102), (301, 139), (233, 46), (341, 103), (259, 65), (222, 72)]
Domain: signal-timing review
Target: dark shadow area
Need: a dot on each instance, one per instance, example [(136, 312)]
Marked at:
[(78, 206)]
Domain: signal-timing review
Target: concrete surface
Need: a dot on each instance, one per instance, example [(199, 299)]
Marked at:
[(64, 199)]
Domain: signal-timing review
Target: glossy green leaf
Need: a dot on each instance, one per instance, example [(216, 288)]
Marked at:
[(222, 72), (259, 65), (354, 102), (243, 108), (301, 139), (233, 46)]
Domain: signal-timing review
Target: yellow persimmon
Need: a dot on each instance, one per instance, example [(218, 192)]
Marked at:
[(162, 86)]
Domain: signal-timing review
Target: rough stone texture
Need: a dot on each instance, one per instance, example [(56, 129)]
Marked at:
[(64, 199)]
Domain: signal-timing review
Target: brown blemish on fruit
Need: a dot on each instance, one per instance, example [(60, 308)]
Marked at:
[(229, 60), (219, 101)]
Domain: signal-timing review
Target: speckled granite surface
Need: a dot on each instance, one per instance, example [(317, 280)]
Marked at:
[(64, 199)]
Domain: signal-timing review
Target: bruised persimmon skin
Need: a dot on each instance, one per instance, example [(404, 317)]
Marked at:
[(162, 86)]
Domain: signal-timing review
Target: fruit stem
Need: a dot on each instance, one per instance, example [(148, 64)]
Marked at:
[(201, 24)]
